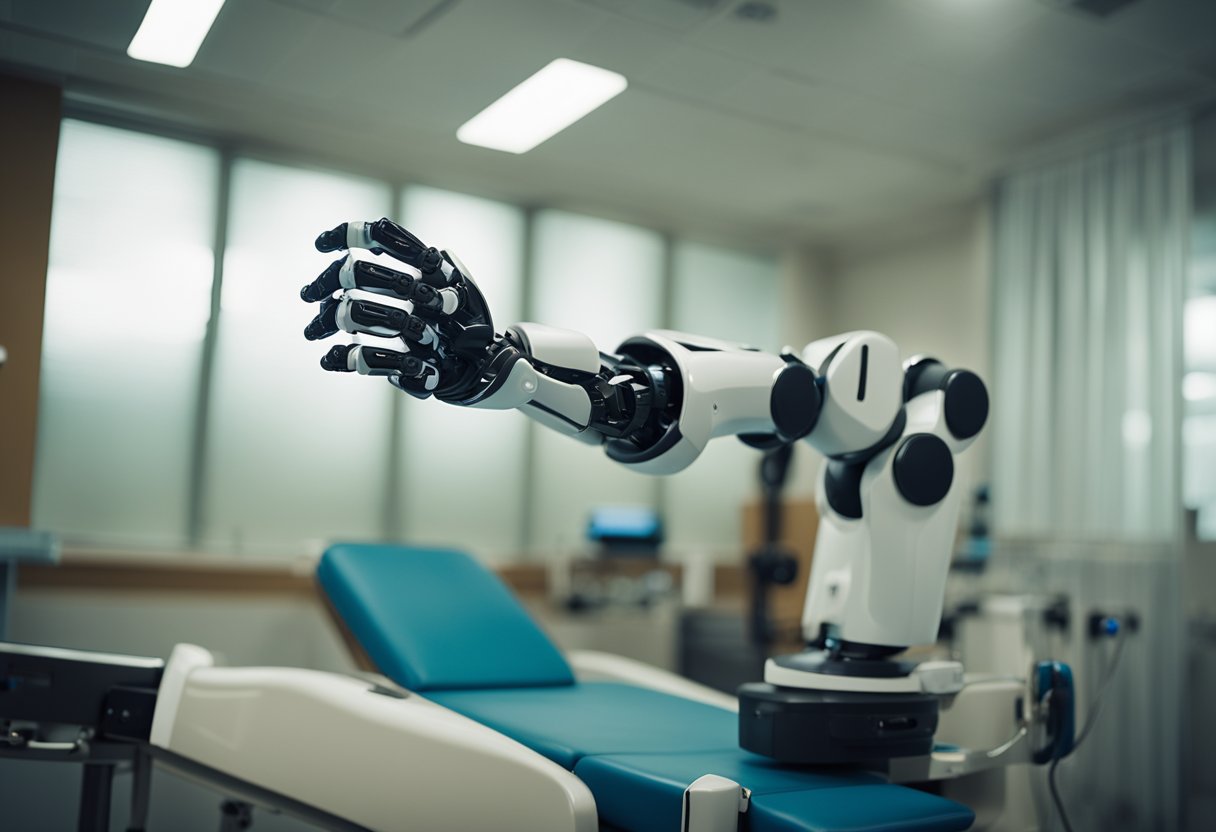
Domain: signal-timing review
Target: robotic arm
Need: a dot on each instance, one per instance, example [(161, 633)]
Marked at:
[(890, 431), (887, 496), (653, 404)]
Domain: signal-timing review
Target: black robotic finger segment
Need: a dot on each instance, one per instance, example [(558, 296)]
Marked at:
[(337, 360), (376, 361), (326, 322), (325, 285), (377, 318), (387, 321), (332, 240), (377, 278), (403, 245)]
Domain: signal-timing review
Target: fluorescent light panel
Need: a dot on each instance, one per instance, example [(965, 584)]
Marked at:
[(173, 30), (542, 106)]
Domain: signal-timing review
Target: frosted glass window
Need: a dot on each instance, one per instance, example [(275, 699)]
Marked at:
[(296, 456), (475, 454), (128, 297), (730, 295), (605, 279)]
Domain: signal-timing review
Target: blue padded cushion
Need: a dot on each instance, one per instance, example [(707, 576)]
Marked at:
[(568, 723), (433, 619), (638, 749), (858, 809)]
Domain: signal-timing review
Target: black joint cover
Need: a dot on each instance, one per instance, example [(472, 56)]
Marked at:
[(923, 376), (842, 487), (414, 329), (795, 401), (430, 259), (966, 397), (966, 403), (762, 441), (923, 469)]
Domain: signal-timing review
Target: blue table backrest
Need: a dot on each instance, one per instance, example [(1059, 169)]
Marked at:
[(435, 619)]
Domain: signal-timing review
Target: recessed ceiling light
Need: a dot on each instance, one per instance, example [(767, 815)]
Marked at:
[(541, 106), (173, 30)]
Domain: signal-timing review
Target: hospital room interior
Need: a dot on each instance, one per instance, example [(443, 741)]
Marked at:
[(689, 415)]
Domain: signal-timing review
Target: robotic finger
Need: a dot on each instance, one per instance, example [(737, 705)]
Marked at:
[(354, 314), (410, 373), (386, 237), (349, 273)]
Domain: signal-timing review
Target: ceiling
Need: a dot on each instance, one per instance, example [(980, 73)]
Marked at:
[(800, 120)]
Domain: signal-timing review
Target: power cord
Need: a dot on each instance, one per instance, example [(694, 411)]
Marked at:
[(1090, 719)]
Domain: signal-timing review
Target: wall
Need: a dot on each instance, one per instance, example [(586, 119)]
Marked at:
[(928, 292), (925, 285), (27, 175)]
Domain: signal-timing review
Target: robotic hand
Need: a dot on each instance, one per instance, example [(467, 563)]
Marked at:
[(438, 312)]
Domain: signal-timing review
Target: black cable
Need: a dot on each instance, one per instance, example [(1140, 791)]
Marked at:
[(1055, 793), (1091, 719)]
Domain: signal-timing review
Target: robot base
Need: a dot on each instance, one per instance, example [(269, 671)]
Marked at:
[(793, 725)]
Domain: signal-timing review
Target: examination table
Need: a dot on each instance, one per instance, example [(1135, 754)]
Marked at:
[(439, 624)]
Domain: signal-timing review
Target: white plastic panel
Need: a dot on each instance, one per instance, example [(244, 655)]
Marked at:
[(605, 279), (476, 454), (128, 297), (296, 456), (389, 762), (733, 296)]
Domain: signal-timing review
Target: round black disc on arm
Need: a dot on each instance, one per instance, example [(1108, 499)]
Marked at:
[(923, 469)]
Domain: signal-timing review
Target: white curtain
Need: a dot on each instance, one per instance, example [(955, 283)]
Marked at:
[(1091, 252)]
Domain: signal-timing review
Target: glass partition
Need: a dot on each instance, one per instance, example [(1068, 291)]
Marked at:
[(127, 302), (462, 469), (605, 279), (295, 456), (733, 296)]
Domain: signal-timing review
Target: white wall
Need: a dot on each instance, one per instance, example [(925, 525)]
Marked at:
[(926, 289), (930, 293)]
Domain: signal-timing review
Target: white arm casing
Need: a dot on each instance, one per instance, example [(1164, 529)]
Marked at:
[(382, 759), (726, 390), (862, 384), (880, 578), (654, 404)]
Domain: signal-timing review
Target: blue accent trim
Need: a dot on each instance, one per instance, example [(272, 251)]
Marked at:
[(1056, 678)]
